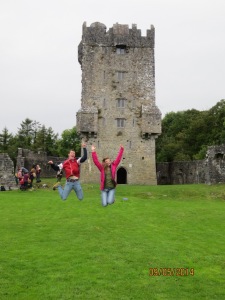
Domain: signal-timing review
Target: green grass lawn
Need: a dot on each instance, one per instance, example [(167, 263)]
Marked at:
[(74, 249)]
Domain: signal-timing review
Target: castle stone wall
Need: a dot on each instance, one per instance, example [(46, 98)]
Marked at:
[(118, 99), (215, 164), (27, 158), (181, 172), (210, 170), (7, 175)]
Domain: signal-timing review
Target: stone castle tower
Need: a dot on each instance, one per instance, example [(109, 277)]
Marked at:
[(118, 101)]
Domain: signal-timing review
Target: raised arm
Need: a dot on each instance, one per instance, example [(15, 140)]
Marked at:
[(84, 157), (95, 158), (119, 155)]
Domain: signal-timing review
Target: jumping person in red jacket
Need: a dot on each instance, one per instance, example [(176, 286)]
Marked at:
[(71, 168), (107, 175)]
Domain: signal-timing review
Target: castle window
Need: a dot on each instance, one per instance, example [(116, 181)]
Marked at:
[(104, 102), (120, 122), (121, 103), (218, 156), (120, 49), (120, 75)]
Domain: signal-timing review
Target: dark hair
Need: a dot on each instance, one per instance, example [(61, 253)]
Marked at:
[(105, 166), (104, 159)]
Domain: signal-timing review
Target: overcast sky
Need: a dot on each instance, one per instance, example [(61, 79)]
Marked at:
[(40, 77)]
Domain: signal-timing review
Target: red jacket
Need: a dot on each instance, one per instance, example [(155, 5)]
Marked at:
[(114, 165), (71, 168)]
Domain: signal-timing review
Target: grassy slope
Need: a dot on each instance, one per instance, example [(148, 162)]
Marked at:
[(52, 249)]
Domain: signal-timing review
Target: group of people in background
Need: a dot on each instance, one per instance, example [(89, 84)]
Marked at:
[(25, 178)]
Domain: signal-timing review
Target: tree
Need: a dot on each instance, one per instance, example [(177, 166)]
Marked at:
[(216, 118), (26, 133), (70, 140), (183, 134), (51, 142), (36, 127), (33, 136), (46, 140), (5, 138)]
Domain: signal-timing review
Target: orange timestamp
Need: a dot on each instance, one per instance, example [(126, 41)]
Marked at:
[(171, 272)]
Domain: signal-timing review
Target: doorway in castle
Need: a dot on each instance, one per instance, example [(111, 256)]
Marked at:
[(121, 176)]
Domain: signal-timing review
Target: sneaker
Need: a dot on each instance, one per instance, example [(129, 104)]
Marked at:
[(56, 185)]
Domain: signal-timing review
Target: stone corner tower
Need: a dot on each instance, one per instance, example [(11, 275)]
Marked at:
[(118, 100)]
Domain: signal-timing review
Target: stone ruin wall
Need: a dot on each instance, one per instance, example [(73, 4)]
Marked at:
[(7, 178), (211, 170), (27, 158), (181, 172), (215, 164)]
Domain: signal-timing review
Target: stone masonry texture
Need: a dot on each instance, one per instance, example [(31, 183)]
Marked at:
[(118, 100), (7, 175)]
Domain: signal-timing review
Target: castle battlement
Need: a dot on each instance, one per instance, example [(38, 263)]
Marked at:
[(119, 34)]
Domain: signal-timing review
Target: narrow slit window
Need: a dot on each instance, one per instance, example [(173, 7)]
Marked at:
[(121, 103), (120, 75), (120, 123)]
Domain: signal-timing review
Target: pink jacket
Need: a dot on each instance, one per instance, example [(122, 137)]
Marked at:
[(114, 165)]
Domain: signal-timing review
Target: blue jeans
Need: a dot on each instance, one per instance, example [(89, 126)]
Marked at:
[(69, 186), (107, 196)]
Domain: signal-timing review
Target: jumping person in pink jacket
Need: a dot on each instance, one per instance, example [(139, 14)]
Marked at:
[(107, 175)]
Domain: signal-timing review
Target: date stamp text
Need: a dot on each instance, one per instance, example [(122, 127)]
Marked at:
[(171, 272)]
